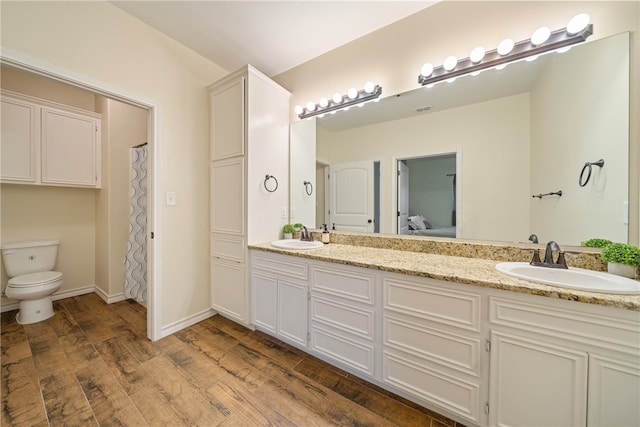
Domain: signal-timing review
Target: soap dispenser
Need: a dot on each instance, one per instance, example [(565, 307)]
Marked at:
[(325, 234)]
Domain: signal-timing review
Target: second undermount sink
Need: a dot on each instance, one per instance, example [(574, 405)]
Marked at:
[(296, 244), (573, 278)]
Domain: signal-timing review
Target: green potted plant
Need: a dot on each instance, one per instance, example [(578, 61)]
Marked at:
[(622, 259), (597, 243), (288, 230)]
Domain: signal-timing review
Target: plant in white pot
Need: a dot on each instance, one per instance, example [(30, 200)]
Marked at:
[(622, 259), (288, 230)]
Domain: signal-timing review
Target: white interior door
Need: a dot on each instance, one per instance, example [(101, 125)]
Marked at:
[(403, 198), (351, 196)]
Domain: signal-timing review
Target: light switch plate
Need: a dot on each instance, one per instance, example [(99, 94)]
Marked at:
[(171, 198)]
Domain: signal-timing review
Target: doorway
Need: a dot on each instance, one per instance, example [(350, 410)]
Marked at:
[(428, 195), (41, 70)]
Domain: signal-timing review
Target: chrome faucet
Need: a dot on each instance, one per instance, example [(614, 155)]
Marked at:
[(548, 261), (304, 234), (533, 238)]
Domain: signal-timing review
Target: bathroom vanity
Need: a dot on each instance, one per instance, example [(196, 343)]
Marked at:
[(454, 335)]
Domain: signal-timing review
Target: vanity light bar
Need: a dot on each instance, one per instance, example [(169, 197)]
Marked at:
[(514, 52), (338, 102)]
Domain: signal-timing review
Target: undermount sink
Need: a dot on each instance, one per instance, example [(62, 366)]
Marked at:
[(296, 244), (573, 278)]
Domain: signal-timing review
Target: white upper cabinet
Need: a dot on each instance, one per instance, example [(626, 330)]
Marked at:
[(49, 144), (19, 140)]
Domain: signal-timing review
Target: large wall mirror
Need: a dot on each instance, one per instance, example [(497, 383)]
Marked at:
[(476, 151)]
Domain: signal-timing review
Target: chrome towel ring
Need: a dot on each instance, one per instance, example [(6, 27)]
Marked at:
[(587, 167), (266, 179), (308, 188)]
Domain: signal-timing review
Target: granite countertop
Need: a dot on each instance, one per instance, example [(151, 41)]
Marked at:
[(471, 271)]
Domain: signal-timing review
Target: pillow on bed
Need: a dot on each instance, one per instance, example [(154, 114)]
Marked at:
[(418, 222), (422, 220)]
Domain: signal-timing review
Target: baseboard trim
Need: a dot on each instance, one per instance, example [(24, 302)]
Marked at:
[(109, 298), (71, 293), (186, 322)]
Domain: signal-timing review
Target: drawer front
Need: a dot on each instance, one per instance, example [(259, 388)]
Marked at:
[(353, 285), (281, 265), (454, 351), (586, 328), (448, 307), (459, 397), (343, 317), (349, 352), (228, 247)]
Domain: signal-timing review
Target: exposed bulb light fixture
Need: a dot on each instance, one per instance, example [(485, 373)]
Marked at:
[(340, 102), (505, 47), (540, 36), (450, 63), (477, 54), (543, 40)]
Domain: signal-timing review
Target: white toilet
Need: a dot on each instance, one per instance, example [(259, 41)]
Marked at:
[(30, 265)]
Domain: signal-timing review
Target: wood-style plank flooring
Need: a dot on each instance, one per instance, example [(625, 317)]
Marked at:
[(92, 365)]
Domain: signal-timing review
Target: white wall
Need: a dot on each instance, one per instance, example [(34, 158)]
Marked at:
[(570, 127), (490, 138), (101, 43), (392, 56)]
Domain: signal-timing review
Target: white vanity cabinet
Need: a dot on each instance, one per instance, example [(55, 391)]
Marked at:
[(249, 139), (343, 324), (44, 143), (432, 343), (561, 363), (478, 355), (280, 289)]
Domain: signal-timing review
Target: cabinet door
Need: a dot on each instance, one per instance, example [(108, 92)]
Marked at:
[(533, 383), (265, 300), (228, 196), (19, 140), (70, 148), (227, 120), (292, 311), (614, 392), (228, 290)]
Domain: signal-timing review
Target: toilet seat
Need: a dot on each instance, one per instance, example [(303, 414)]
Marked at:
[(35, 279)]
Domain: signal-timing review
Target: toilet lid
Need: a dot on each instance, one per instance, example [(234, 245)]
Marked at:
[(31, 279)]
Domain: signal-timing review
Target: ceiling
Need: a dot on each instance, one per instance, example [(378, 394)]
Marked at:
[(273, 36)]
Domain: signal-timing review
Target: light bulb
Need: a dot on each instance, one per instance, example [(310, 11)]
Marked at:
[(564, 49), (298, 109), (324, 102), (352, 93), (426, 70), (477, 54), (578, 23), (337, 98), (451, 80), (369, 87), (311, 106), (540, 36), (531, 58), (506, 46), (501, 66), (450, 63)]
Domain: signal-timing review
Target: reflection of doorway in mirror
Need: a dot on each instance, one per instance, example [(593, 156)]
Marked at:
[(322, 194), (427, 197)]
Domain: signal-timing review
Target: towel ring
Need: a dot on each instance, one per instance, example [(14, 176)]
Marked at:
[(587, 167), (266, 179), (308, 185)]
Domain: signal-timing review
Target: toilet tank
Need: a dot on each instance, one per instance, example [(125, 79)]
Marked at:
[(29, 257)]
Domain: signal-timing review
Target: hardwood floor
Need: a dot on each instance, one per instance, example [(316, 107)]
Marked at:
[(91, 364)]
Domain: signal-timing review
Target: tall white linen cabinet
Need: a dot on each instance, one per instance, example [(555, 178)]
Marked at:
[(249, 173)]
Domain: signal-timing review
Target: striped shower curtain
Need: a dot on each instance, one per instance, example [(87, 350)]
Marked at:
[(135, 281)]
